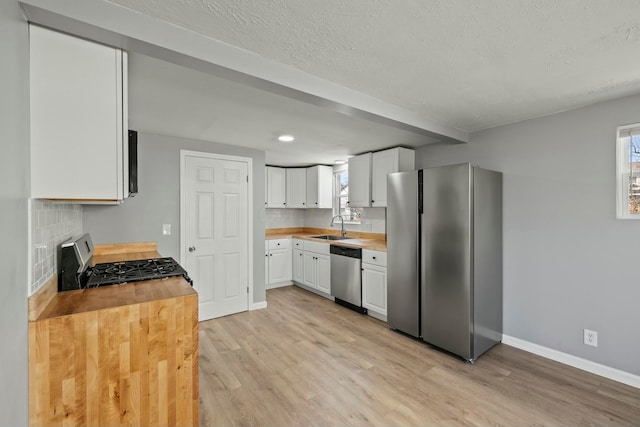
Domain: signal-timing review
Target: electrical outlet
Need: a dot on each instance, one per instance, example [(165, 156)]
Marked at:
[(590, 338), (166, 229)]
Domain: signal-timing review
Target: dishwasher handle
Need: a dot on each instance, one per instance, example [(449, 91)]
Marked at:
[(345, 251)]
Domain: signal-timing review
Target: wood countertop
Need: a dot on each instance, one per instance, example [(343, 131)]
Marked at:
[(85, 300), (371, 241)]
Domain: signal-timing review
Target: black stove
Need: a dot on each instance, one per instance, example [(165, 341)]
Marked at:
[(76, 272), (113, 273)]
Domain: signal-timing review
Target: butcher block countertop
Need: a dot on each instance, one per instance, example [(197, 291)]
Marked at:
[(84, 300), (117, 355), (358, 239)]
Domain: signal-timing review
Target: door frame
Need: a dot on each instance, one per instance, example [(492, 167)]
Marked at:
[(183, 201)]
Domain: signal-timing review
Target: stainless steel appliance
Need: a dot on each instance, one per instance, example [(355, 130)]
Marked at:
[(444, 257), (346, 277), (77, 272)]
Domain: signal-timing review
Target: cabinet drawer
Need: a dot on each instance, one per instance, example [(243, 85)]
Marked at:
[(279, 243), (317, 247), (298, 244), (374, 257)]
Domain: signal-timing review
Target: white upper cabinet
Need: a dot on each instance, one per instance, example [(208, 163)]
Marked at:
[(360, 181), (276, 187), (320, 187), (79, 128), (296, 188), (386, 162)]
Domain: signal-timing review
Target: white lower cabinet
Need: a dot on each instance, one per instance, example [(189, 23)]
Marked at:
[(278, 263), (374, 281), (312, 265), (323, 269), (298, 266)]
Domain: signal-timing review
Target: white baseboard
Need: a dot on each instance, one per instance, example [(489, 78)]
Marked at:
[(577, 362), (258, 305), (278, 285)]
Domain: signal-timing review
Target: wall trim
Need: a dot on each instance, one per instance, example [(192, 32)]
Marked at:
[(258, 305), (577, 362)]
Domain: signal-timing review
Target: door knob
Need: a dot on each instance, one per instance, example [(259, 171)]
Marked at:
[(192, 248)]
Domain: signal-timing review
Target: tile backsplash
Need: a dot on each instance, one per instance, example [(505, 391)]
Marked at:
[(283, 218), (373, 219), (51, 223)]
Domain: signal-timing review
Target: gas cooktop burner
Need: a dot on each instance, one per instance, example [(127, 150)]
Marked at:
[(112, 273)]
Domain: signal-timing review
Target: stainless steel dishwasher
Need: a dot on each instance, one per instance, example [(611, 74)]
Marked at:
[(346, 277)]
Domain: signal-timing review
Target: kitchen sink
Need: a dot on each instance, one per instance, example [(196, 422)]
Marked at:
[(328, 237)]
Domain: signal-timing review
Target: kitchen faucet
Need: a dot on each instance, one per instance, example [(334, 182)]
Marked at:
[(342, 230)]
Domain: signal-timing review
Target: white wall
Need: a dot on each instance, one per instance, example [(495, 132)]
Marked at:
[(14, 191), (568, 263), (140, 219)]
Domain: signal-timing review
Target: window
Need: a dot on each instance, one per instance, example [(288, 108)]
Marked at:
[(628, 172), (341, 195)]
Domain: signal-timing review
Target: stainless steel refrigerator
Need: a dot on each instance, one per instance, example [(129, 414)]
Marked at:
[(444, 257)]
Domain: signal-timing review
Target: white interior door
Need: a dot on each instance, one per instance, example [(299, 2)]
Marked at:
[(215, 212)]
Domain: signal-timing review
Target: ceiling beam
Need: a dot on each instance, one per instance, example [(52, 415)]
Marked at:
[(121, 27)]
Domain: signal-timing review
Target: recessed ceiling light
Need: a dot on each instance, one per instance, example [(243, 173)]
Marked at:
[(286, 138), (339, 162)]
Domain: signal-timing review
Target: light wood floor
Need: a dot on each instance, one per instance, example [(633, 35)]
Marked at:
[(307, 361)]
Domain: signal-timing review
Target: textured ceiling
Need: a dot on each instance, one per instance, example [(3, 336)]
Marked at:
[(467, 64)]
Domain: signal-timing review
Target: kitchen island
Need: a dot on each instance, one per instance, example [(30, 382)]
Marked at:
[(116, 355)]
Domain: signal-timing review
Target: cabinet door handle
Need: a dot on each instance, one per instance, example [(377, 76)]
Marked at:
[(279, 245), (192, 248), (373, 201), (302, 203), (316, 203), (374, 257)]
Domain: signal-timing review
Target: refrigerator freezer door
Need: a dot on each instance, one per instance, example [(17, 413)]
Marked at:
[(403, 297), (446, 320)]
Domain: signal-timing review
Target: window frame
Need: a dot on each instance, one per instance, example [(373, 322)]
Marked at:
[(624, 169), (337, 170)]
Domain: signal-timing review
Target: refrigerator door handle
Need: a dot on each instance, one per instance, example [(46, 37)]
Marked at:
[(420, 202)]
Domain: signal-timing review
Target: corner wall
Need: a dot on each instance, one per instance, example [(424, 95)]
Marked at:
[(14, 192), (568, 263), (140, 218)]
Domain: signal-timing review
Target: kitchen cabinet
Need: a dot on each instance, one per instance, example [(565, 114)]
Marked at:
[(124, 355), (368, 175), (278, 264), (323, 271), (79, 126), (317, 271), (298, 261), (374, 281), (382, 164), (314, 268), (266, 262), (296, 188), (360, 181), (276, 187), (320, 187)]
